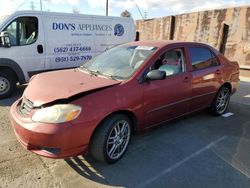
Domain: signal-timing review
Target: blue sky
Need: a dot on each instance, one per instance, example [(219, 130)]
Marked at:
[(153, 8)]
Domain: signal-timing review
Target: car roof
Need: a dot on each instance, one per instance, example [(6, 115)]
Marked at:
[(162, 43)]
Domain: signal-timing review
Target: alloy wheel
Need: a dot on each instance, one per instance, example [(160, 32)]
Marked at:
[(222, 100), (118, 139)]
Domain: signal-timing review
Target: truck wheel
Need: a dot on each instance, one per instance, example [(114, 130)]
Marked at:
[(111, 139), (7, 84), (221, 101)]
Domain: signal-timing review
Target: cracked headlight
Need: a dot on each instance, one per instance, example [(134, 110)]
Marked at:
[(57, 114)]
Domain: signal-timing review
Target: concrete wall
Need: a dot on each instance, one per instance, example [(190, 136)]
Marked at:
[(154, 29), (207, 27)]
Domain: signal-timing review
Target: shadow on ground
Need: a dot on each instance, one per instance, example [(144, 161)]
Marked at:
[(17, 94), (243, 94), (195, 151)]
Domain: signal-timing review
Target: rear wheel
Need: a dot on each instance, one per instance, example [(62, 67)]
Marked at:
[(111, 139), (7, 84), (221, 101)]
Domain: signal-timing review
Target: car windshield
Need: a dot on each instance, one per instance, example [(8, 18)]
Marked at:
[(120, 62)]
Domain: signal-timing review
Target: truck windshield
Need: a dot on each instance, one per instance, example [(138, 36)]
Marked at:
[(2, 18), (120, 62)]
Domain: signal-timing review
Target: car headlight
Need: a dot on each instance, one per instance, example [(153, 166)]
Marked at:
[(57, 114)]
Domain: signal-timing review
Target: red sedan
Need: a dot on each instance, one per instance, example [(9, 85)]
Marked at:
[(131, 87)]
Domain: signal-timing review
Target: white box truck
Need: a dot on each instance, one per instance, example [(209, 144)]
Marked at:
[(32, 42)]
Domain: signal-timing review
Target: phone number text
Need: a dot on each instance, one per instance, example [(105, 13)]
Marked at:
[(72, 49), (73, 58)]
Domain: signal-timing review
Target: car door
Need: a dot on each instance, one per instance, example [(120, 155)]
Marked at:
[(206, 76), (27, 39), (168, 98)]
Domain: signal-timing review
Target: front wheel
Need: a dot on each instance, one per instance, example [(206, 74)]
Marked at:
[(221, 101), (7, 84), (111, 139)]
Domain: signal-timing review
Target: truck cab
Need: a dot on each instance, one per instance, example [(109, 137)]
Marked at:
[(32, 42)]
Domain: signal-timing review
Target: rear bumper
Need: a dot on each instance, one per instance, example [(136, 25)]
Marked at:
[(49, 140)]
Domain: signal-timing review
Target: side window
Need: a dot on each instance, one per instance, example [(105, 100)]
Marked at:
[(202, 58), (23, 31), (172, 62), (12, 31)]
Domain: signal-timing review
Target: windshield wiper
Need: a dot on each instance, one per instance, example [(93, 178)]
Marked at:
[(95, 73), (113, 77)]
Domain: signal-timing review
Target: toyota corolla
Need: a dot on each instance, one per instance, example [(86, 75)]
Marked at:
[(131, 87)]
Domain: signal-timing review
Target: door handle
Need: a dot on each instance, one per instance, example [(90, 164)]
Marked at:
[(217, 72), (186, 79), (40, 49)]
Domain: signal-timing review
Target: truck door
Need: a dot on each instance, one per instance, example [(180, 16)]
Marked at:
[(27, 44)]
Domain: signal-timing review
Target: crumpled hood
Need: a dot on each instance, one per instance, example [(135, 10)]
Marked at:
[(48, 87)]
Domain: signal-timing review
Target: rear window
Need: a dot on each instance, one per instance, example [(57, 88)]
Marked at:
[(202, 58)]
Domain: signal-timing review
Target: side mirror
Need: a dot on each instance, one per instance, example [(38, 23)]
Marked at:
[(4, 36), (156, 75)]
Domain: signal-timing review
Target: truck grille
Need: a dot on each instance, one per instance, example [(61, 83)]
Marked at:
[(26, 106)]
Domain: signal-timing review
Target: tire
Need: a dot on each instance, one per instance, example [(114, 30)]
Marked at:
[(7, 84), (111, 139), (220, 102)]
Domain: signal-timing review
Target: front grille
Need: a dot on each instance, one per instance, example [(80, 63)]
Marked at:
[(26, 106)]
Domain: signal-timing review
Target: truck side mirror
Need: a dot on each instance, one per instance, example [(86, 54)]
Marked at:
[(4, 36)]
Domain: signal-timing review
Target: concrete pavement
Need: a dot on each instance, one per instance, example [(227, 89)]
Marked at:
[(196, 151)]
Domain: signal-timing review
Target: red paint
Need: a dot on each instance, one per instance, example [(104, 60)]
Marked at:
[(150, 103), (63, 84)]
